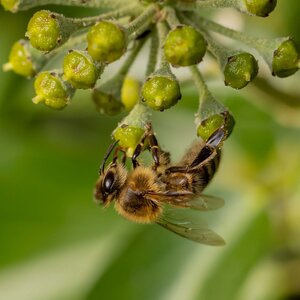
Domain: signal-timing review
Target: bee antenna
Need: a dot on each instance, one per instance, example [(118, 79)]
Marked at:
[(216, 138), (108, 152)]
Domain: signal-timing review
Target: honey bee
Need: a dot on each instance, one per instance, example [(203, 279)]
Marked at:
[(167, 194)]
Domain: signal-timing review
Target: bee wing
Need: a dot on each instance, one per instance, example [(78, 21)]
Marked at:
[(203, 202), (185, 223)]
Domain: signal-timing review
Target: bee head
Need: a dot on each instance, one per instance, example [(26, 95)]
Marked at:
[(110, 183)]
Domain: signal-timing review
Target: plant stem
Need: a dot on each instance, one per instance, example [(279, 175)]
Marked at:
[(199, 81), (131, 57), (171, 17), (141, 23), (207, 4), (130, 10), (139, 116), (264, 46), (163, 30), (152, 60), (260, 44), (101, 4)]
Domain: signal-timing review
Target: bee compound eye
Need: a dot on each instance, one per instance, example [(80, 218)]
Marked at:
[(108, 182)]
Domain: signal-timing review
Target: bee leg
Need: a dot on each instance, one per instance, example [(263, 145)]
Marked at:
[(209, 150), (116, 154), (124, 158), (138, 150), (107, 154), (155, 150)]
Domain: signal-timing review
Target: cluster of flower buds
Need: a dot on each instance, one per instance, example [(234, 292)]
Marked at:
[(179, 38)]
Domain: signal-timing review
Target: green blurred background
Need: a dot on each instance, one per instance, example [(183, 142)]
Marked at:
[(56, 244)]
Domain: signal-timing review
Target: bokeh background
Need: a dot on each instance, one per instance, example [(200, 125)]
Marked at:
[(56, 244)]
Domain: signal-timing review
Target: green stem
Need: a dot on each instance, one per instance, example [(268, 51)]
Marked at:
[(263, 46), (139, 116), (207, 4), (101, 4), (153, 51), (199, 82), (171, 17), (260, 44), (130, 10), (141, 23), (131, 58), (163, 30)]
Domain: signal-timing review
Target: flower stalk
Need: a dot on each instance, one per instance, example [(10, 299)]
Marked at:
[(19, 5)]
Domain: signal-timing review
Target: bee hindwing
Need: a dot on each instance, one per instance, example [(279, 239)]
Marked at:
[(185, 223)]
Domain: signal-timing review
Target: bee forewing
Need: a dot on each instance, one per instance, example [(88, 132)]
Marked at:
[(205, 202), (183, 222)]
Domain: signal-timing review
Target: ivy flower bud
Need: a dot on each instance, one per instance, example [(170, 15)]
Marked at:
[(211, 114), (261, 8), (10, 5), (24, 60), (208, 126), (240, 69), (80, 70), (184, 46), (286, 59), (106, 42), (130, 92), (106, 103), (52, 90), (47, 30), (161, 90), (129, 137)]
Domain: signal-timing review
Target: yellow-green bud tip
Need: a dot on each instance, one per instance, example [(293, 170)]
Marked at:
[(160, 92), (184, 46), (261, 8), (106, 42), (240, 70), (130, 92), (19, 60), (80, 70), (286, 59), (50, 90), (43, 31), (11, 5), (128, 137)]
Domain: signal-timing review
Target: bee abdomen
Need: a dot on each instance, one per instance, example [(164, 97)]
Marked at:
[(208, 170)]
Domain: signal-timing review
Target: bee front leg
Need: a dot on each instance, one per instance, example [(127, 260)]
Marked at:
[(138, 150)]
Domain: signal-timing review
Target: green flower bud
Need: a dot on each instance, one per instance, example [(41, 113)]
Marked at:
[(261, 8), (80, 69), (130, 92), (208, 126), (240, 69), (52, 90), (286, 59), (10, 5), (106, 103), (47, 30), (184, 46), (24, 60), (161, 91), (128, 137), (106, 42), (211, 114)]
